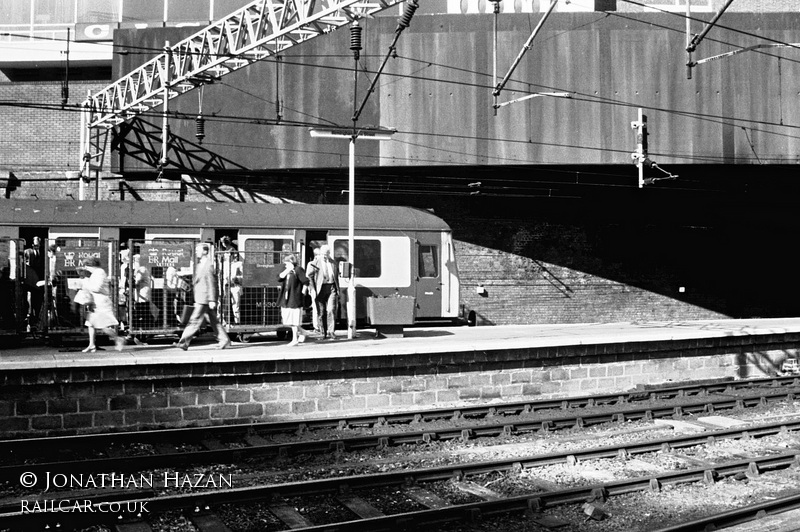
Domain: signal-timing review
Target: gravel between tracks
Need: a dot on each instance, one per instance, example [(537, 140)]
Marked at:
[(635, 512)]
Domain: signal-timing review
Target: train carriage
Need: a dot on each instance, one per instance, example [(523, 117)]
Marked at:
[(399, 251)]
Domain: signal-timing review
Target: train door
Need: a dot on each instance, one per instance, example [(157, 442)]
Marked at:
[(429, 275), (73, 248), (261, 254), (229, 276), (314, 240), (12, 303), (33, 273), (28, 234), (157, 274)]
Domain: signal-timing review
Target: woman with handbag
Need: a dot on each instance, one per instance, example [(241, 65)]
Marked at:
[(100, 311), (293, 281)]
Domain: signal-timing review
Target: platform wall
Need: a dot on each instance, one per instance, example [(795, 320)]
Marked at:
[(84, 400)]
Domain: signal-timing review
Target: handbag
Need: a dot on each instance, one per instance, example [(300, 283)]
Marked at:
[(84, 297)]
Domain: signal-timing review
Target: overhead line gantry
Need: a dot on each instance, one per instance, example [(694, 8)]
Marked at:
[(260, 29)]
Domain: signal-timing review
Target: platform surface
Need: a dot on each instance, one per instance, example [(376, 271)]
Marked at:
[(37, 355)]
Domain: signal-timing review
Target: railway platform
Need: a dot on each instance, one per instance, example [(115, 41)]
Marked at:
[(52, 390), (416, 340)]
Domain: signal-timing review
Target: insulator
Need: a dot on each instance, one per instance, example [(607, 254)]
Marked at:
[(200, 132), (408, 12), (355, 39)]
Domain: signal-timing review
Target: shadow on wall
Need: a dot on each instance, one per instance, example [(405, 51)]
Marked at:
[(764, 363), (587, 269), (504, 288)]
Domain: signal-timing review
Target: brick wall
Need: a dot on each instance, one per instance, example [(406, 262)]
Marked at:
[(576, 268), (519, 289), (79, 400), (37, 135)]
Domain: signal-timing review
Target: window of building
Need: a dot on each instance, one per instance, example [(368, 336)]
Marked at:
[(188, 11), (101, 11), (429, 261), (223, 8), (367, 258), (53, 11), (15, 12), (150, 11)]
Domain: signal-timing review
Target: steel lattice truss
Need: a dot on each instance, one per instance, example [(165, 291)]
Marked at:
[(256, 31)]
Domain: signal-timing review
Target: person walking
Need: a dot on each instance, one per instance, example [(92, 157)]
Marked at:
[(292, 280), (101, 313), (205, 301), (325, 280)]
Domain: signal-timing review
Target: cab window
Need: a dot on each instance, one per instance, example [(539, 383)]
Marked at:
[(428, 261)]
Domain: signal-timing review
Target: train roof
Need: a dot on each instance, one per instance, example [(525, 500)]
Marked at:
[(72, 213)]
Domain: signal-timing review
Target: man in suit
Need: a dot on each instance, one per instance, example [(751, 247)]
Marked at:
[(34, 257), (205, 301), (34, 277), (324, 278)]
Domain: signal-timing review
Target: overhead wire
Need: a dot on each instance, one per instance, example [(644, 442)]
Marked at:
[(460, 83), (288, 123), (716, 25), (587, 98)]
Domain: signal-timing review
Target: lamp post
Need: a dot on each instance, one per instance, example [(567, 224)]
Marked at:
[(352, 134)]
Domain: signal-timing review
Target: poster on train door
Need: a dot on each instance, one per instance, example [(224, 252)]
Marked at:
[(71, 257), (161, 255)]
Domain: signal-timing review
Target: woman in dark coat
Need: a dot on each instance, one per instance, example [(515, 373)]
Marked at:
[(293, 280)]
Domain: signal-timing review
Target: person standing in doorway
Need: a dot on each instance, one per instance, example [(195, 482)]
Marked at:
[(226, 255), (34, 257), (325, 280), (34, 275), (292, 280), (205, 301), (312, 292)]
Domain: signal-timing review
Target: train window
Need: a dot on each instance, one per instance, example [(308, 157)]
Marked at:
[(367, 256), (429, 261), (261, 259), (272, 249)]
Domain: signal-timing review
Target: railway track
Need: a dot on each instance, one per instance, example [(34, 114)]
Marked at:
[(53, 456), (739, 516), (234, 444), (353, 493)]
